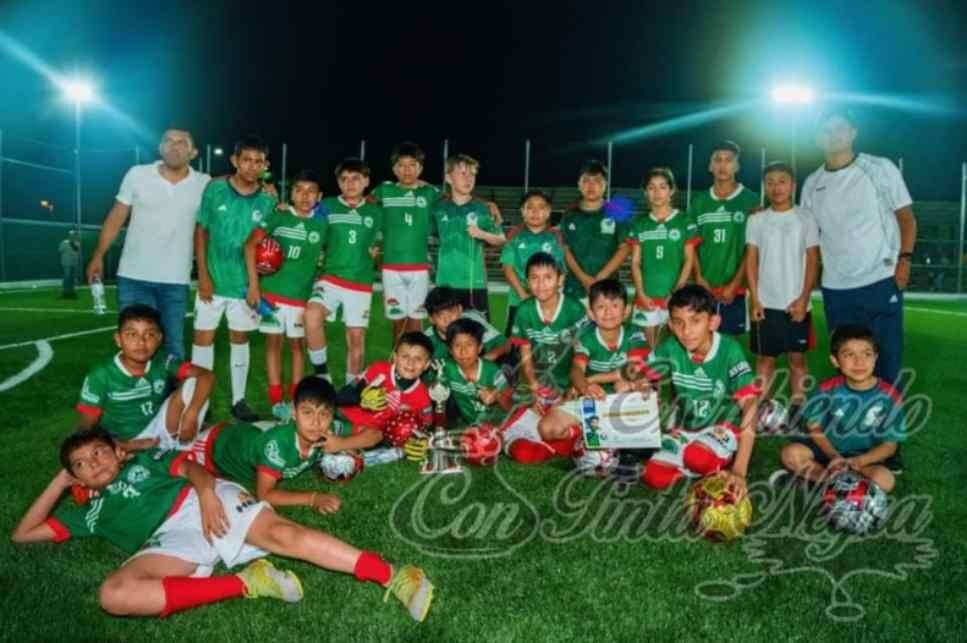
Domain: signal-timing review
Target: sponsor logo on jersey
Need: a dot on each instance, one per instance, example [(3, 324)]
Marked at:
[(137, 474), (674, 234), (739, 369), (313, 237)]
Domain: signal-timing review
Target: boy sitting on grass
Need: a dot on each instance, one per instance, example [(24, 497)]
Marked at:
[(855, 419), (245, 454), (478, 388), (177, 522), (128, 394)]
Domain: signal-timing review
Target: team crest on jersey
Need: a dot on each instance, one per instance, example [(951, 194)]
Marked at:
[(159, 387), (368, 222), (739, 217), (137, 474), (874, 416), (273, 454), (472, 218), (313, 237), (546, 246), (256, 215), (674, 234), (719, 388), (420, 202), (607, 226)]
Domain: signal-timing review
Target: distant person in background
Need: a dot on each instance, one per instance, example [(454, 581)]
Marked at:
[(70, 252), (162, 199)]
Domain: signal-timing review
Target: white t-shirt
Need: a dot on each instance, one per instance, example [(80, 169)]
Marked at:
[(159, 242), (855, 209), (781, 239)]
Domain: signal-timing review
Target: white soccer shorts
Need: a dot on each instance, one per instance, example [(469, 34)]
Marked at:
[(158, 428), (649, 318), (404, 292), (241, 317), (290, 322), (354, 303)]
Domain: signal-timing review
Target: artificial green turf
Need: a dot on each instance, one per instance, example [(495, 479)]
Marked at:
[(531, 553)]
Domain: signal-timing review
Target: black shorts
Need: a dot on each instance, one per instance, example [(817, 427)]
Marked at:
[(734, 316), (474, 299), (778, 334), (818, 455)]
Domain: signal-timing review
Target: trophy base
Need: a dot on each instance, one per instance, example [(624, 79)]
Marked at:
[(441, 466)]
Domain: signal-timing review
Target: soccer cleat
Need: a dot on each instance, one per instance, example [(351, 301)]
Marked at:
[(282, 411), (411, 586), (242, 412), (895, 462), (263, 580)]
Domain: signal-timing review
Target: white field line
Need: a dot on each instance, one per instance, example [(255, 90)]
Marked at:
[(54, 310), (45, 353)]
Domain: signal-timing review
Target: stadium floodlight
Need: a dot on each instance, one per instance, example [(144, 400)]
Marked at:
[(218, 151), (79, 91), (793, 95)]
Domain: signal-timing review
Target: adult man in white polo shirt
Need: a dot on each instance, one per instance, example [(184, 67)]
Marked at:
[(866, 236), (162, 199)]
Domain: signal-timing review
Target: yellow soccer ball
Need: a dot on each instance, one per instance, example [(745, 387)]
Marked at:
[(712, 509)]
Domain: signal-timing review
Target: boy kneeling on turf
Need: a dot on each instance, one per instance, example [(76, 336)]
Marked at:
[(245, 454), (443, 306), (715, 397), (128, 394), (478, 388), (178, 522), (855, 419)]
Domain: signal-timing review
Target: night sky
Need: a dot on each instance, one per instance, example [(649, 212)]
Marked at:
[(487, 75)]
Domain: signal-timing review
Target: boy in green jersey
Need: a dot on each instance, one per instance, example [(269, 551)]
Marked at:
[(128, 394), (721, 215), (347, 274), (477, 386), (300, 231), (523, 242), (663, 251), (177, 522), (464, 224), (245, 454), (407, 205), (230, 209), (444, 306), (592, 239), (715, 397)]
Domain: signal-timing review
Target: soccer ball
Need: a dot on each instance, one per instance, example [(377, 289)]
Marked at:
[(268, 256), (854, 503), (773, 418), (480, 445), (594, 463), (713, 510), (342, 466), (401, 427)]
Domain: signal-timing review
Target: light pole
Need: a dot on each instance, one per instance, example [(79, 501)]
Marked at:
[(78, 92), (793, 98)]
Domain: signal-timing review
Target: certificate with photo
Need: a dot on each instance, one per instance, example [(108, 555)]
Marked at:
[(621, 421)]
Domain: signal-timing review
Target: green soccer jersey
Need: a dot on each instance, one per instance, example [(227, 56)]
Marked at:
[(125, 403), (662, 246), (352, 232), (706, 393), (521, 245), (593, 238), (466, 391), (241, 451), (721, 225), (600, 357), (302, 239), (460, 261), (551, 340), (406, 224), (145, 492), (492, 338), (229, 218)]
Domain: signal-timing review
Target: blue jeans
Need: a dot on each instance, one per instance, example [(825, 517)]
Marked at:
[(171, 300), (879, 307)]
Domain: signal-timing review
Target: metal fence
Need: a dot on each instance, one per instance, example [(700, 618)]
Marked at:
[(39, 189)]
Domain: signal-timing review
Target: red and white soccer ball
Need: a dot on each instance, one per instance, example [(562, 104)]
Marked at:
[(594, 463), (342, 466), (853, 503), (268, 256), (401, 427), (480, 445)]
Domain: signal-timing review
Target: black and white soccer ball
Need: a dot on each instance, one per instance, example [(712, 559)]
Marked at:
[(773, 418), (855, 504)]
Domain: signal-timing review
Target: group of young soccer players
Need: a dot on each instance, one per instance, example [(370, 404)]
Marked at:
[(150, 475)]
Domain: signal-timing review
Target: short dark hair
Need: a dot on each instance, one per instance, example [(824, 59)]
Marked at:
[(541, 259), (416, 338), (250, 142), (834, 111), (693, 296), (538, 193), (609, 289), (140, 312), (847, 332), (308, 176), (441, 298), (315, 390), (407, 148), (80, 438), (726, 145), (465, 327), (594, 167), (778, 166), (662, 172), (352, 164), (178, 127)]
